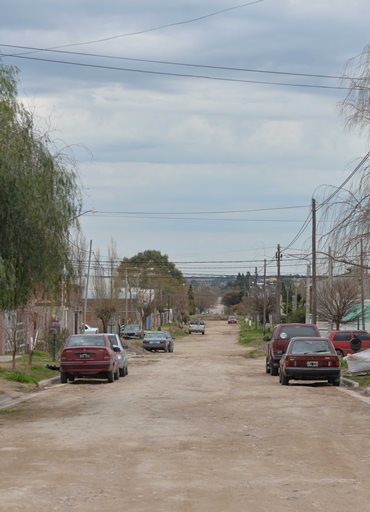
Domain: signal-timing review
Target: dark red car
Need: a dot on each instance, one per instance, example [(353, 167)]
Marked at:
[(342, 341), (88, 355), (279, 340), (310, 359)]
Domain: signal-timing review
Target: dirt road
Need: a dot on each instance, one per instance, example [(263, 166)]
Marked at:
[(202, 429)]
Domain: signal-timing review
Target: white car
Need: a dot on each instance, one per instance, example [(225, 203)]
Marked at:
[(87, 329)]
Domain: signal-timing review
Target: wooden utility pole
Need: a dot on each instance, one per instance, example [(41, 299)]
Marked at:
[(308, 294), (362, 285), (278, 284), (264, 296), (87, 282), (314, 282)]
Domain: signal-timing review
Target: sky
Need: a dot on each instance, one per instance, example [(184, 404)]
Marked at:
[(214, 167)]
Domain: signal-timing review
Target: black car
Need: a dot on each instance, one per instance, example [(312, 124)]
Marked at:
[(132, 332)]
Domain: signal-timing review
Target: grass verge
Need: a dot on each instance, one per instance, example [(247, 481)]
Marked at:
[(252, 338), (26, 374)]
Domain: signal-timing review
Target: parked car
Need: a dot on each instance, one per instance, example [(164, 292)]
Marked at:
[(132, 332), (342, 341), (197, 326), (87, 329), (158, 340), (89, 355), (279, 340), (121, 354), (310, 359), (232, 319)]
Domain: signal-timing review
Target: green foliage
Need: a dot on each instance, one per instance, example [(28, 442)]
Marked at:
[(232, 298), (28, 374), (191, 300), (39, 199)]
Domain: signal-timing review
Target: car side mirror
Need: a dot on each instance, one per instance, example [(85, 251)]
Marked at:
[(116, 348), (267, 338)]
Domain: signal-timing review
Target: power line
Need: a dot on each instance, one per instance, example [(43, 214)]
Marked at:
[(175, 63), (181, 75), (160, 27)]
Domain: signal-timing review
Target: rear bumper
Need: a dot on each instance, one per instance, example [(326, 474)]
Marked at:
[(312, 373), (75, 368), (155, 346)]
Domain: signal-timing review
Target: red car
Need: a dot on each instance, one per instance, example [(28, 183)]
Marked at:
[(279, 340), (89, 355), (310, 359), (342, 341)]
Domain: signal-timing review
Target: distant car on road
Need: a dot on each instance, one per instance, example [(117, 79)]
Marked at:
[(158, 340), (88, 355), (310, 359), (121, 353), (232, 319), (87, 329), (342, 341), (197, 326), (132, 332)]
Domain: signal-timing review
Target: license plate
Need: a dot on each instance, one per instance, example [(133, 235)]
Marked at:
[(84, 356), (154, 342), (312, 364)]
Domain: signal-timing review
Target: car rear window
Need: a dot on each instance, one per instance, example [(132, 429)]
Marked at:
[(311, 347), (362, 335), (292, 331), (342, 336), (86, 341)]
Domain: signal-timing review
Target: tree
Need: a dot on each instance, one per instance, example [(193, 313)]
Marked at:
[(191, 300), (335, 300), (106, 287), (253, 304), (204, 297), (156, 279), (39, 201), (232, 298), (356, 105)]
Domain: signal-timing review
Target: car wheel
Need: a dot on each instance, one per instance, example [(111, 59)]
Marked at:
[(267, 366), (110, 376), (116, 375), (273, 371), (283, 379), (335, 382), (339, 353), (122, 372), (189, 332), (63, 378), (126, 370), (203, 332)]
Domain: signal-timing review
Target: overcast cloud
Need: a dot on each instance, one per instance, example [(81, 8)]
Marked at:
[(157, 143)]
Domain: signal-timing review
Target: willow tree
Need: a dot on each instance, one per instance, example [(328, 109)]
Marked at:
[(39, 201)]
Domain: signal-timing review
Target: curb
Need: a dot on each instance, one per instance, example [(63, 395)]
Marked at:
[(349, 383), (49, 382)]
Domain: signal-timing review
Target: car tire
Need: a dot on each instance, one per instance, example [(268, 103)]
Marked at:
[(122, 372), (189, 332), (335, 382), (116, 375), (203, 333), (273, 371), (284, 379), (126, 370), (110, 376), (267, 366), (63, 378)]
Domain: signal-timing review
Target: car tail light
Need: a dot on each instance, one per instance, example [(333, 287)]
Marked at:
[(290, 361), (106, 355)]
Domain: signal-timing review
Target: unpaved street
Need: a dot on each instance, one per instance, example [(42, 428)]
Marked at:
[(202, 429)]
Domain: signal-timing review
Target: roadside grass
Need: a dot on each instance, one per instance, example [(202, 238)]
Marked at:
[(362, 379), (26, 374), (252, 339)]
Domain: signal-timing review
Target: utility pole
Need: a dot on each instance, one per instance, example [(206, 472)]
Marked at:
[(264, 296), (126, 297), (362, 284), (255, 276), (278, 284), (314, 282), (308, 295), (87, 282)]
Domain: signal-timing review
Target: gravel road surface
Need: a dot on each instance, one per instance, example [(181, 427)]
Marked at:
[(202, 429)]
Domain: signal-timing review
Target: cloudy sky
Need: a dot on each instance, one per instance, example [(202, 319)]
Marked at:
[(206, 167)]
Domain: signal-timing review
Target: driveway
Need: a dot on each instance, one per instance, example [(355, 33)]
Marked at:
[(202, 429)]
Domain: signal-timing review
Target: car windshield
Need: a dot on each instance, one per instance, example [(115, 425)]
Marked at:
[(154, 335), (311, 347), (132, 327), (290, 331), (86, 341)]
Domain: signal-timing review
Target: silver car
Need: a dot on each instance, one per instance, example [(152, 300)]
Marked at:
[(121, 353)]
